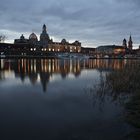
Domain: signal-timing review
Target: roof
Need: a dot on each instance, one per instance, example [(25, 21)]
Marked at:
[(89, 49), (33, 36), (110, 47)]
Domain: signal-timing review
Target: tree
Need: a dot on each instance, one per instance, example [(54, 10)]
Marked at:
[(2, 38)]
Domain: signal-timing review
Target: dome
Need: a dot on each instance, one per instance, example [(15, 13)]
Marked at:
[(64, 41), (77, 43), (33, 36)]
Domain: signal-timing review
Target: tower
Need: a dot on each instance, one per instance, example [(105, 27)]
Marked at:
[(44, 37), (130, 43), (44, 29), (124, 43)]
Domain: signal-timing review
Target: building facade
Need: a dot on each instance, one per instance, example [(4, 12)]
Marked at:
[(45, 44), (110, 51)]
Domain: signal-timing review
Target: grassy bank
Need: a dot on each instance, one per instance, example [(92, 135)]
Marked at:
[(133, 110), (127, 81)]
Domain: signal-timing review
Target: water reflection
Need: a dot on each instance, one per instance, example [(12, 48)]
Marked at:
[(66, 111), (42, 70)]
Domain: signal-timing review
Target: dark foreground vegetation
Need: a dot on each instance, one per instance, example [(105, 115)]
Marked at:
[(125, 82)]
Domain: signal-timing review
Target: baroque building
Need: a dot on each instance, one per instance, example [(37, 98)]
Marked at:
[(45, 44), (44, 37)]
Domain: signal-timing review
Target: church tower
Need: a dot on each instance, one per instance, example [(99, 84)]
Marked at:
[(44, 29), (44, 37), (124, 43), (130, 43)]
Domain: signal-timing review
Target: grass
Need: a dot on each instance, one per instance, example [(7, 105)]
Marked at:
[(133, 110), (127, 81)]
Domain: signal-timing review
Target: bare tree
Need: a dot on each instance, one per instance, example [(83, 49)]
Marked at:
[(2, 38)]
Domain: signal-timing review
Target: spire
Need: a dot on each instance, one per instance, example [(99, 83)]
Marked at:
[(44, 29), (44, 26), (130, 39), (130, 42)]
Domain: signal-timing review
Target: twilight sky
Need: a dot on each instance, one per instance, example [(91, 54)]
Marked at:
[(92, 22)]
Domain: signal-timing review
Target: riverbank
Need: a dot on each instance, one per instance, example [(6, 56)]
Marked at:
[(127, 81)]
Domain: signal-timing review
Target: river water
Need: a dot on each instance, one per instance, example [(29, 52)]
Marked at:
[(51, 99)]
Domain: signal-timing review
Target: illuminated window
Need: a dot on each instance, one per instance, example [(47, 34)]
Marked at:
[(49, 49), (58, 50), (53, 50), (31, 49), (34, 49)]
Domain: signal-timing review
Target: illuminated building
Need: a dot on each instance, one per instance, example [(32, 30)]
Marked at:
[(110, 50), (45, 44)]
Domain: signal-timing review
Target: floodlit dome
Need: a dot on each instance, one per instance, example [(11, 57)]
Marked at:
[(33, 37)]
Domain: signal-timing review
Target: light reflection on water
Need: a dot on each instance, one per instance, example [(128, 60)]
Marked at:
[(50, 99), (47, 70)]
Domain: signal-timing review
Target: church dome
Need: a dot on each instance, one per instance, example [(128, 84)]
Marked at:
[(33, 37), (64, 41)]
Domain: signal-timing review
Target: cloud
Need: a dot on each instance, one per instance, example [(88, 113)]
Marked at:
[(93, 22)]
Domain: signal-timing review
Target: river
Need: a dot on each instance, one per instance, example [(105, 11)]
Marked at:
[(52, 99)]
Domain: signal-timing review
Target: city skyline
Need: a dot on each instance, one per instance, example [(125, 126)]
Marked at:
[(92, 22)]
